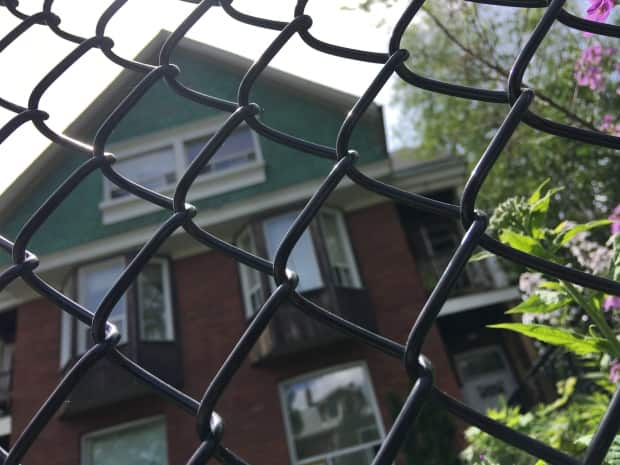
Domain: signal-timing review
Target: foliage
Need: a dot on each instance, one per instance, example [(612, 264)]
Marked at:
[(432, 440), (566, 424), (475, 45), (548, 315), (521, 224)]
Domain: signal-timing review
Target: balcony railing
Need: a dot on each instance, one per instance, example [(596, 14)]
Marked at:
[(110, 384), (291, 331)]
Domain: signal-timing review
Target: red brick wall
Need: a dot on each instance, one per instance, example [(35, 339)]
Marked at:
[(211, 319)]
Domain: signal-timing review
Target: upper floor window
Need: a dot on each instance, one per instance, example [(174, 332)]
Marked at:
[(137, 443), (145, 309), (238, 149), (331, 417), (322, 255), (155, 169), (433, 239), (161, 164)]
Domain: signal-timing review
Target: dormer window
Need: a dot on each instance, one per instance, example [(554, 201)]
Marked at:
[(322, 257), (159, 162)]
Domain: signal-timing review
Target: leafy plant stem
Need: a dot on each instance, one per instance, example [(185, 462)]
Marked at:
[(596, 316)]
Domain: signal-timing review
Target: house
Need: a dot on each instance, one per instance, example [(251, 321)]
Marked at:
[(308, 394)]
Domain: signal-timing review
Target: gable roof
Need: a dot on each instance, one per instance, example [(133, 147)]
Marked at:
[(107, 100)]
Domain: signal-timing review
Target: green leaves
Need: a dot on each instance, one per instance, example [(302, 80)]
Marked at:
[(536, 304), (522, 242), (539, 207), (565, 235), (481, 256), (613, 454), (580, 345)]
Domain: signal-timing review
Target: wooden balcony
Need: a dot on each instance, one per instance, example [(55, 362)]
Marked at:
[(107, 383), (291, 331)]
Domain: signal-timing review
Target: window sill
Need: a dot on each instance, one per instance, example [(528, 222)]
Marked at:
[(207, 185)]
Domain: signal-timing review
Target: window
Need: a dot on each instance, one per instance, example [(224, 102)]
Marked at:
[(94, 281), (159, 166), (155, 169), (237, 150), (154, 307), (302, 259), (486, 377), (328, 238), (338, 250), (147, 305), (137, 443), (331, 417)]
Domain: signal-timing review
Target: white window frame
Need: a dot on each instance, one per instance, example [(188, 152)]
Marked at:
[(81, 338), (167, 296), (350, 261), (84, 459), (71, 328), (206, 184), (313, 374), (244, 270)]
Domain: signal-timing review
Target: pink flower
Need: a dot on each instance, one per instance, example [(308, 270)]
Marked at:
[(588, 69), (611, 302), (615, 220), (614, 372), (599, 10), (610, 127)]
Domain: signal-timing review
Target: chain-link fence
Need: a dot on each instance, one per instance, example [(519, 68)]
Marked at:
[(393, 61)]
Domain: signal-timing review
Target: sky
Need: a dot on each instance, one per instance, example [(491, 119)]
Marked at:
[(26, 61)]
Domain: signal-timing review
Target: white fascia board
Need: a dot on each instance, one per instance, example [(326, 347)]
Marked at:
[(451, 176)]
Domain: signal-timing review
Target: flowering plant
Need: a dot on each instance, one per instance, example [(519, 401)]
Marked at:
[(562, 314), (550, 304), (598, 66)]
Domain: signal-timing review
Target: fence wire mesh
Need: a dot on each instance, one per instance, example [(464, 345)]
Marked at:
[(209, 424)]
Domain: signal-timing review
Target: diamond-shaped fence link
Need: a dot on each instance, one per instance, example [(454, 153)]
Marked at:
[(418, 368)]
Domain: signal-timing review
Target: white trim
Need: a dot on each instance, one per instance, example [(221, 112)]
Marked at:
[(244, 271), (346, 196), (6, 424), (343, 234), (206, 185), (120, 427), (316, 373), (469, 302), (164, 268)]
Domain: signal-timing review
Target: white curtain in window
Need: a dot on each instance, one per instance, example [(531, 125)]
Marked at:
[(153, 305)]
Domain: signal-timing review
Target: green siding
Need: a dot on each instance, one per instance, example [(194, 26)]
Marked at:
[(78, 219)]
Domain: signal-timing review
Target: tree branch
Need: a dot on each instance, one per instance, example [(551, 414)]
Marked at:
[(504, 72)]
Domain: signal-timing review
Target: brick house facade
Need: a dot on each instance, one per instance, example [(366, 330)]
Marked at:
[(280, 407)]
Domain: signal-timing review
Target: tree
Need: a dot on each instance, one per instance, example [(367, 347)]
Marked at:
[(575, 78)]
